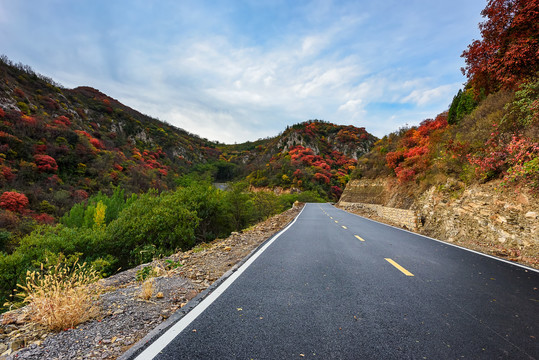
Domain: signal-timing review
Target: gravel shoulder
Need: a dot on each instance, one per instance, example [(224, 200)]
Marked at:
[(125, 318)]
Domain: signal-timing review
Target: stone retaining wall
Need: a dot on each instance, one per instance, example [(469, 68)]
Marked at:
[(407, 218)]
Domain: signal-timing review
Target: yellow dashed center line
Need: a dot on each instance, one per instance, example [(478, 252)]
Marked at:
[(359, 238), (403, 270), (344, 227), (336, 222)]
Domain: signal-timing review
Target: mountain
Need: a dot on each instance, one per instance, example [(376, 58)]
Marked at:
[(59, 146), (314, 155)]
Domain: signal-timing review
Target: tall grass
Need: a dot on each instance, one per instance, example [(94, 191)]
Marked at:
[(61, 296)]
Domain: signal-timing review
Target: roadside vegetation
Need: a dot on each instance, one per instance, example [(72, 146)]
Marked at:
[(117, 232)]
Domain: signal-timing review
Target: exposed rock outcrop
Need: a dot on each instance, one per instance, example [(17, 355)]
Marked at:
[(483, 217)]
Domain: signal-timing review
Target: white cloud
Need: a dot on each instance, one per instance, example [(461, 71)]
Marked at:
[(425, 96), (189, 64)]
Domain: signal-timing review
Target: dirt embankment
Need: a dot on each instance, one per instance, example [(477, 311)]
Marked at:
[(125, 318), (482, 217)]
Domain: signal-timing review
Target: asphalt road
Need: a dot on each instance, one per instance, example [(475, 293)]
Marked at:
[(338, 286)]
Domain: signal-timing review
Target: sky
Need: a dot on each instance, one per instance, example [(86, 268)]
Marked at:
[(240, 70)]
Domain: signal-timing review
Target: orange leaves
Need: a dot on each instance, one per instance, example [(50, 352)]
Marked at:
[(415, 149), (13, 201)]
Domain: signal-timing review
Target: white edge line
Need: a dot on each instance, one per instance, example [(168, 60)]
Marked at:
[(446, 243), (155, 348)]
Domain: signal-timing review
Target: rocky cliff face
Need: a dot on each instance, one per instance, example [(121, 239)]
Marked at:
[(482, 217)]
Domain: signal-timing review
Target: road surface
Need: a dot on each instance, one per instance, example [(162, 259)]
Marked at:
[(337, 286)]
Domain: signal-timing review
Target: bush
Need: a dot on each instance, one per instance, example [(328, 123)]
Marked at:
[(13, 201), (210, 205), (61, 296), (45, 163), (83, 214), (159, 220)]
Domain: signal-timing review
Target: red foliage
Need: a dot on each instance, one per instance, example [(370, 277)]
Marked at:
[(321, 178), (404, 174), (44, 219), (415, 148), (40, 149), (62, 120), (97, 143), (2, 113), (80, 195), (83, 133), (509, 48), (499, 155), (50, 104), (18, 92), (336, 191), (394, 158), (45, 163), (13, 201), (7, 173), (29, 120)]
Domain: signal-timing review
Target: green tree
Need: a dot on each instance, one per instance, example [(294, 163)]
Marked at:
[(240, 205), (152, 220)]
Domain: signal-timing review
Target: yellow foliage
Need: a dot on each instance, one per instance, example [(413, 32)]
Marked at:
[(99, 217)]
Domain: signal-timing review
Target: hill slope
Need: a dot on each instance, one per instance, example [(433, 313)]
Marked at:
[(59, 146), (472, 173)]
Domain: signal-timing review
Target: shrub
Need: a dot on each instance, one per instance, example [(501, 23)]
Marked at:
[(524, 109), (45, 163), (61, 296), (13, 201), (23, 107), (62, 120), (152, 219), (83, 214)]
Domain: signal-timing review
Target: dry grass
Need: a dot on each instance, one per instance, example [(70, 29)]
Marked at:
[(147, 289), (62, 296)]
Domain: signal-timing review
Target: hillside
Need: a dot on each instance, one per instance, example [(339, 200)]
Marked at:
[(471, 175), (59, 146), (311, 156)]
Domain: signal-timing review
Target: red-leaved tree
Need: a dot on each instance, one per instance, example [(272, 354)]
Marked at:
[(13, 201), (508, 52), (45, 163)]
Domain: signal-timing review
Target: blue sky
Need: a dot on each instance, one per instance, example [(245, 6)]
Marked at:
[(234, 71)]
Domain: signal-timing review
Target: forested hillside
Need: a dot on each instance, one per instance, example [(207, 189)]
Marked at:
[(491, 129), (59, 146), (470, 176), (315, 155)]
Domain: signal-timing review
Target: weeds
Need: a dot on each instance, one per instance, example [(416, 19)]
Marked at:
[(146, 273), (147, 289), (61, 296)]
